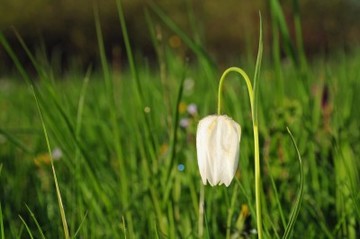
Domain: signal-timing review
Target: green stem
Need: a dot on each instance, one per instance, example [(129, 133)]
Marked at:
[(256, 140)]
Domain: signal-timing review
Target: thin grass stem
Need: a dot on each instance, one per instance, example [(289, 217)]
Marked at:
[(58, 193)]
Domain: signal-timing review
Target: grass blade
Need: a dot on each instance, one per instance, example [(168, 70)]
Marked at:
[(231, 212), (176, 121), (36, 223), (15, 141), (296, 209), (299, 37), (277, 197), (258, 70), (196, 48), (2, 232), (129, 53), (58, 194), (281, 22), (124, 187), (81, 103), (207, 63), (14, 58), (27, 227), (82, 222)]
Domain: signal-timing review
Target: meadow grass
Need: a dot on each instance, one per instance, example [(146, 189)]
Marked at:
[(122, 144)]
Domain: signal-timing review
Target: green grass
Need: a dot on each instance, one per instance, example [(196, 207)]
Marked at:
[(123, 148)]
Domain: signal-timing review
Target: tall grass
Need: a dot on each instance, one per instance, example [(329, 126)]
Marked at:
[(128, 169)]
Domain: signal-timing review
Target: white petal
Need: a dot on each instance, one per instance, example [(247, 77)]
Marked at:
[(217, 143), (202, 135)]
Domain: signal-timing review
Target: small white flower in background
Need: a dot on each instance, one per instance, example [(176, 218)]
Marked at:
[(218, 146), (192, 109), (184, 123), (57, 154)]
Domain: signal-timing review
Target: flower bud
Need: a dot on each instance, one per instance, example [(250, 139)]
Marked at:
[(218, 146)]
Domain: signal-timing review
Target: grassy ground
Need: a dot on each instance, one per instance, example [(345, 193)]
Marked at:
[(123, 147)]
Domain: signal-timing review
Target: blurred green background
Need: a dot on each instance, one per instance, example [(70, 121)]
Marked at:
[(226, 28), (120, 128)]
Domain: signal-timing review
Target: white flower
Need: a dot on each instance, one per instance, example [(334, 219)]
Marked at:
[(218, 146), (184, 123), (192, 109), (57, 153)]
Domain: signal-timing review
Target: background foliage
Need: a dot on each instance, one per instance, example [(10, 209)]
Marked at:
[(121, 135), (66, 28)]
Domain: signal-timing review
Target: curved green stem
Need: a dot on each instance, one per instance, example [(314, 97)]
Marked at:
[(256, 140)]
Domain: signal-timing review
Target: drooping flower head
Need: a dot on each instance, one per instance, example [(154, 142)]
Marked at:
[(218, 146)]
